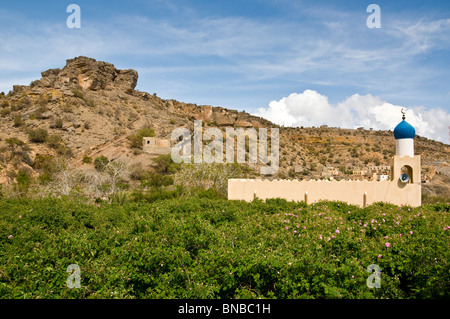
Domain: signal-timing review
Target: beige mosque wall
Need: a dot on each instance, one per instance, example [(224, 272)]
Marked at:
[(353, 192)]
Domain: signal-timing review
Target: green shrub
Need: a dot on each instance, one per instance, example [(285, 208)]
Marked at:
[(120, 197), (18, 121), (55, 141), (78, 94), (87, 159), (137, 171), (100, 163), (23, 103), (90, 103), (209, 193), (19, 150), (210, 175), (38, 135), (165, 165), (157, 180), (156, 194), (5, 112), (38, 113), (58, 123), (14, 142), (45, 178), (23, 181), (43, 162)]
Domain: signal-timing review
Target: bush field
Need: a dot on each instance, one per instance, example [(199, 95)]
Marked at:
[(214, 248)]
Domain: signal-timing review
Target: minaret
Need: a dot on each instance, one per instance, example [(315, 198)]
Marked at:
[(404, 161), (404, 138)]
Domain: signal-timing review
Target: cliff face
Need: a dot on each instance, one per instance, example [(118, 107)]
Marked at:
[(89, 108)]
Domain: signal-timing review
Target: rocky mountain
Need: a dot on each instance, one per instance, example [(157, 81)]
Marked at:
[(89, 108)]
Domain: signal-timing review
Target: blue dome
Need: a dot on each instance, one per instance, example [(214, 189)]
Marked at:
[(404, 130)]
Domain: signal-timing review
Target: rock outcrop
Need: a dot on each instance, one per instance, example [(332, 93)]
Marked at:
[(88, 74)]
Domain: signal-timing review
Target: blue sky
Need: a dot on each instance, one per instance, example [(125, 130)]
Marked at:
[(295, 62)]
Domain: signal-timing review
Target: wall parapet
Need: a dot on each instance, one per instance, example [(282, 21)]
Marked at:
[(360, 192)]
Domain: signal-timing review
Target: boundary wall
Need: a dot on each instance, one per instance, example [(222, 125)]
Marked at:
[(361, 193)]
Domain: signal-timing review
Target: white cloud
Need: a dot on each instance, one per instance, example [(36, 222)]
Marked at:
[(313, 109)]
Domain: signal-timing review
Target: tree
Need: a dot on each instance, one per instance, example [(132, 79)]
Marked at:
[(115, 172), (62, 179), (105, 180)]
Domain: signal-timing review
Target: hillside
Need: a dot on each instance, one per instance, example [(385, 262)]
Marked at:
[(89, 108)]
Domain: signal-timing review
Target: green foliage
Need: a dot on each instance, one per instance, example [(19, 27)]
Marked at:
[(78, 94), (156, 180), (4, 112), (146, 132), (40, 110), (136, 139), (55, 141), (210, 175), (18, 149), (23, 103), (14, 142), (23, 181), (212, 248), (58, 123), (100, 163), (38, 135), (427, 199), (44, 162), (18, 121), (87, 159), (45, 178), (165, 165), (4, 104), (120, 197), (156, 194)]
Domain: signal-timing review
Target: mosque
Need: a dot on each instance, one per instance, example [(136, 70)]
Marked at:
[(403, 187)]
